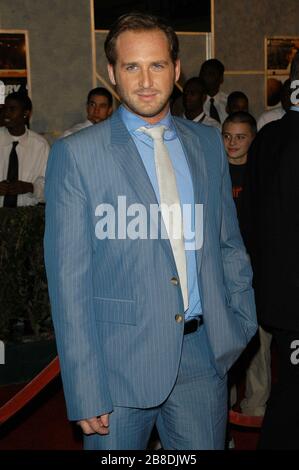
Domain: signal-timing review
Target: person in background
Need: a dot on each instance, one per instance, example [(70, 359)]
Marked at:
[(212, 74), (194, 96), (271, 195), (238, 131), (258, 374), (274, 87), (99, 106), (23, 155), (237, 101), (279, 111)]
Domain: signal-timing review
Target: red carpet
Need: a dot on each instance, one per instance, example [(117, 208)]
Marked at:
[(244, 439), (43, 425)]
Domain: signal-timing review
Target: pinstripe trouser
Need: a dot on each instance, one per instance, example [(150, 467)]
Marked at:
[(193, 416)]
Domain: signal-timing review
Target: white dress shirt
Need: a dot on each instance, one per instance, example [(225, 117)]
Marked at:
[(220, 102), (32, 151), (271, 115), (207, 120), (76, 128)]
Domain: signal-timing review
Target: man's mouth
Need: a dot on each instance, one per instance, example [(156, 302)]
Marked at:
[(147, 93)]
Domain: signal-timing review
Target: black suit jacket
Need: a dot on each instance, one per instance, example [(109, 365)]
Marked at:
[(270, 221)]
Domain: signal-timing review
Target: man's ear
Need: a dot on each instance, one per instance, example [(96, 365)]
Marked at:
[(177, 69), (111, 74), (27, 114), (110, 111)]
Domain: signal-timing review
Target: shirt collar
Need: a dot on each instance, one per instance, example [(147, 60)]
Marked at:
[(216, 97), (197, 118), (294, 108), (133, 122), (8, 139)]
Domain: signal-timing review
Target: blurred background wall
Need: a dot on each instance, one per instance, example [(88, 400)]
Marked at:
[(61, 50)]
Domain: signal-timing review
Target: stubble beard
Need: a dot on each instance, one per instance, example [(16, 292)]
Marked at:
[(144, 110)]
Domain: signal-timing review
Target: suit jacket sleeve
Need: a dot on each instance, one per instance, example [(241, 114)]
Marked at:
[(68, 257)]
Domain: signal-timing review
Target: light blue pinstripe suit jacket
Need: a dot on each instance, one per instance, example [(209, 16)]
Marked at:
[(113, 304)]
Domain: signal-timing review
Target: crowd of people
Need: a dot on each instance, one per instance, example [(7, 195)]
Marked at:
[(121, 381)]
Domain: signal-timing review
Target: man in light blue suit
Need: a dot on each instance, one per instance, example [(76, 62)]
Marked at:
[(146, 328)]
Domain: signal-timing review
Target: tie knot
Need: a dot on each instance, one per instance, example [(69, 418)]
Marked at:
[(15, 143), (212, 100), (156, 133)]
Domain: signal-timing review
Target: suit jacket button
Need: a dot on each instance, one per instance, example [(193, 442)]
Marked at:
[(174, 281), (179, 318)]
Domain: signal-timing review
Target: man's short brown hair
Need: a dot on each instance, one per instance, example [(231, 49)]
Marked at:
[(139, 22)]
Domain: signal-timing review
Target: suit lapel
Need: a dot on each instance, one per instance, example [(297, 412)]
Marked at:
[(126, 154), (128, 158), (124, 151), (195, 155)]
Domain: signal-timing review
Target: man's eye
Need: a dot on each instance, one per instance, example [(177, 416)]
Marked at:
[(131, 68), (157, 66)]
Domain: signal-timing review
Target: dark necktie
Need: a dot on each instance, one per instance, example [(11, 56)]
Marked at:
[(213, 111), (12, 175)]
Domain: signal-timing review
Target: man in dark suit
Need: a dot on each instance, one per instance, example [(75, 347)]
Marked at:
[(272, 230)]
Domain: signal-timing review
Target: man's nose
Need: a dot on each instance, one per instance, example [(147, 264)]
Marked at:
[(145, 78), (233, 139)]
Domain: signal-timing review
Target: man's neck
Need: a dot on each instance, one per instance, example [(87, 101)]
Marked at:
[(238, 161), (193, 114), (213, 92), (17, 131)]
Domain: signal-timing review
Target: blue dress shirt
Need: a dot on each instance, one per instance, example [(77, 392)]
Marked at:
[(145, 148)]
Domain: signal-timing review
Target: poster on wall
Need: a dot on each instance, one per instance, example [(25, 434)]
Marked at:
[(14, 62), (279, 53)]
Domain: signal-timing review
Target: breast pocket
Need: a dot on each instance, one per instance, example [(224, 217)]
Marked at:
[(115, 310)]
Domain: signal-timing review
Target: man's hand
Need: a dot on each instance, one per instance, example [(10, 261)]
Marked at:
[(3, 187), (19, 187), (95, 425)]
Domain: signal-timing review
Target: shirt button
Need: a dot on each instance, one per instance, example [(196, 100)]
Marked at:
[(179, 318)]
